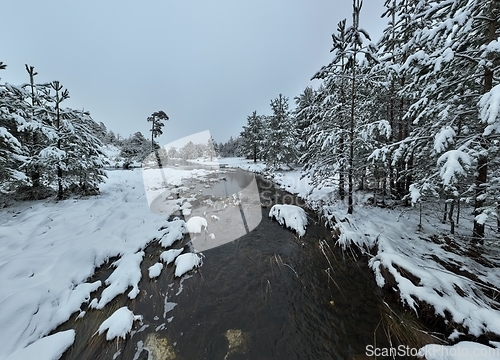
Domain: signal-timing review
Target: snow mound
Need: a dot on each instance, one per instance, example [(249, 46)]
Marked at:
[(47, 348), (195, 224), (186, 262), (172, 232), (169, 256), (119, 323), (127, 273), (293, 217), (155, 270)]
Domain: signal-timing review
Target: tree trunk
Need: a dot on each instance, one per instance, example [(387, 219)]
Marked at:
[(341, 140), (35, 173), (350, 209), (445, 211), (482, 163), (482, 171), (498, 218), (59, 169), (450, 217)]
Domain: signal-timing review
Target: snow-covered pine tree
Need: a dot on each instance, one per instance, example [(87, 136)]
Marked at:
[(337, 132), (393, 50), (304, 113), (456, 116), (56, 152), (252, 136), (157, 120), (324, 156), (330, 135), (280, 139), (210, 148), (135, 149), (355, 35), (12, 153), (84, 157)]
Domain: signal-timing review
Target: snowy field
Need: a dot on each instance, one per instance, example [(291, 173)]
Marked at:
[(461, 289), (49, 249)]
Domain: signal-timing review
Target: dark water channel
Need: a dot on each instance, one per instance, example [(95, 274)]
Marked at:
[(267, 295)]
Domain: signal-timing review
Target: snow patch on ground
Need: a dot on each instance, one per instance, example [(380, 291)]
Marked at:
[(173, 231), (127, 273), (119, 323), (48, 348), (196, 224), (155, 270), (186, 262), (169, 256)]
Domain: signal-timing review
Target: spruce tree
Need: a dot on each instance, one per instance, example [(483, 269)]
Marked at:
[(252, 136), (280, 142)]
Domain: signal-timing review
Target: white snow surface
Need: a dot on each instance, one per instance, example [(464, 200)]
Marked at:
[(48, 348), (489, 107), (119, 323), (127, 273), (155, 270), (186, 262), (196, 224), (292, 216), (49, 249), (169, 256), (172, 231)]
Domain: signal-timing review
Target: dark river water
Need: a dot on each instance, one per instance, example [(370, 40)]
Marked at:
[(266, 295)]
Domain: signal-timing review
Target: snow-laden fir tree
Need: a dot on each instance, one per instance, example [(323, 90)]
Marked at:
[(252, 136), (455, 115), (83, 150), (304, 113), (210, 148), (12, 153), (393, 50), (325, 157), (47, 144), (280, 137), (333, 139), (135, 149)]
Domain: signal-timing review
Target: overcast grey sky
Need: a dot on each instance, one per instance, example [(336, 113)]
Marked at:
[(207, 64)]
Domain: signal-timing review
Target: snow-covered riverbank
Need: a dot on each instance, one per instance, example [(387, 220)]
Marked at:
[(431, 272), (48, 250)]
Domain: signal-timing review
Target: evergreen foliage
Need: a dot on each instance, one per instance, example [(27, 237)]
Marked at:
[(43, 144)]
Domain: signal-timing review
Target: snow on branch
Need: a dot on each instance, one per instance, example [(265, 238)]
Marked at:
[(489, 108), (451, 165), (443, 138)]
